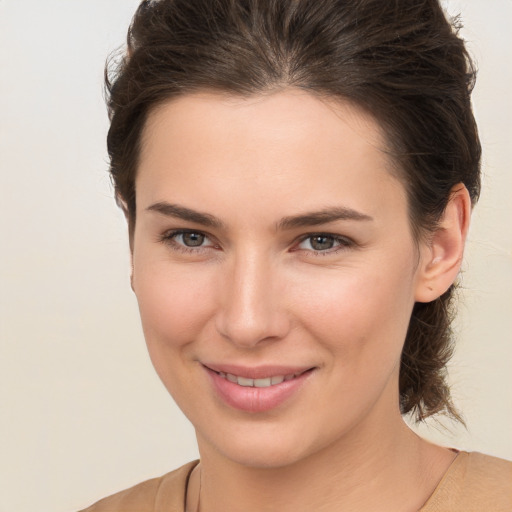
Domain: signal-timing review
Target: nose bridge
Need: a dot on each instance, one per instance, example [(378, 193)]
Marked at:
[(251, 309)]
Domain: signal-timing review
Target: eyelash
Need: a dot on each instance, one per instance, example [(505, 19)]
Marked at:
[(169, 238), (343, 242)]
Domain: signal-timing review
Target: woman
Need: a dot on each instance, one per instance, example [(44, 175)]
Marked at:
[(298, 178)]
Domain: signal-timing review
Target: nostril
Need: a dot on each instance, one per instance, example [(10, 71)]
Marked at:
[(249, 330)]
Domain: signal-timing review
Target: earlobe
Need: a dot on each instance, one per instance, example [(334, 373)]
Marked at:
[(441, 257), (132, 272)]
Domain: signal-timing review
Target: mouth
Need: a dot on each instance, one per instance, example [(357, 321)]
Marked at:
[(257, 389), (265, 382)]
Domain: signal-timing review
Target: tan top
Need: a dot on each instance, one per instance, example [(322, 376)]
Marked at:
[(473, 483)]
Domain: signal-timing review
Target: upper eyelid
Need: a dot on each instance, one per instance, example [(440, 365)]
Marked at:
[(323, 233), (305, 236), (328, 235), (173, 232)]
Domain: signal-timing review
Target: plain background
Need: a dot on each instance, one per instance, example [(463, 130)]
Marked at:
[(82, 413)]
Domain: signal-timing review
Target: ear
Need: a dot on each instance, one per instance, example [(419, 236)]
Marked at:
[(441, 256), (131, 272)]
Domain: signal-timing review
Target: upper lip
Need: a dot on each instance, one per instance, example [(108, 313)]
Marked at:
[(257, 372)]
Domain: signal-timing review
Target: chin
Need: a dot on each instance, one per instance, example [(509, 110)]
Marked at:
[(265, 446), (268, 457)]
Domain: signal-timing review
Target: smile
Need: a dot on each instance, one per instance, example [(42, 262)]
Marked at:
[(257, 383), (257, 389)]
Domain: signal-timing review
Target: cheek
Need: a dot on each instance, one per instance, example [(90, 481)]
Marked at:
[(358, 322), (359, 314), (174, 305)]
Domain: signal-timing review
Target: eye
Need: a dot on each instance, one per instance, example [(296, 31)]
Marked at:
[(325, 243), (190, 239), (187, 240)]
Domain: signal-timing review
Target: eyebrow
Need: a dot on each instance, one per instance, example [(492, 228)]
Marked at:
[(181, 212), (324, 216)]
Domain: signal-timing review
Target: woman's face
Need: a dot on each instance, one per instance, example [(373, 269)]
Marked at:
[(275, 271)]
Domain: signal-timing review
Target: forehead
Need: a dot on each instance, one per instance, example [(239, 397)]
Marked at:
[(289, 143), (279, 116)]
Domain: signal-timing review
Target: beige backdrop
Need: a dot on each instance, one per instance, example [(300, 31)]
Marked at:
[(82, 413)]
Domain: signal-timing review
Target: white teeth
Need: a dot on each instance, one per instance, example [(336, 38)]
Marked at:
[(242, 381), (277, 379), (262, 383), (257, 383)]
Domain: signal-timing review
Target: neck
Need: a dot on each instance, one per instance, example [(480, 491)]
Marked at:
[(394, 470)]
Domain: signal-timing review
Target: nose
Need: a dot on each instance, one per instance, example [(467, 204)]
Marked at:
[(251, 308)]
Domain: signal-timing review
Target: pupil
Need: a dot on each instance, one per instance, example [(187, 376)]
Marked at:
[(193, 239), (322, 242)]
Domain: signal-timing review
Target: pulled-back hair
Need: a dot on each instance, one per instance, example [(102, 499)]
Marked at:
[(400, 60)]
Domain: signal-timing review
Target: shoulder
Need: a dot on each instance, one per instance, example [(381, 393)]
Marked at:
[(474, 482), (164, 493)]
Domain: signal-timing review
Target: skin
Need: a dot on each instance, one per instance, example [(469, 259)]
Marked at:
[(255, 294)]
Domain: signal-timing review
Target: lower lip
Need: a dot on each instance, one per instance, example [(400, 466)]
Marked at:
[(252, 399)]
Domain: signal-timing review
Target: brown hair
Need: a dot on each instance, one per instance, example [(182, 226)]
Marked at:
[(401, 60)]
